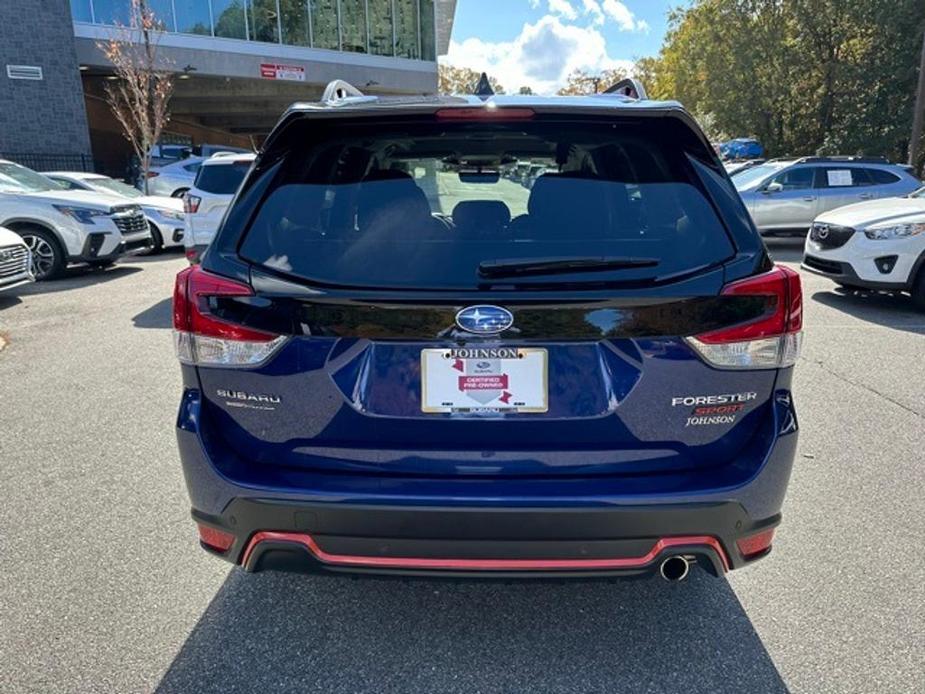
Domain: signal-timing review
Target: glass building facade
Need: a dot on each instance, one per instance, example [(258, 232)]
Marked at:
[(400, 28)]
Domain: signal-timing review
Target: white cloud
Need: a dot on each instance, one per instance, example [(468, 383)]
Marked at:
[(622, 16), (541, 57), (592, 8), (563, 8), (534, 4)]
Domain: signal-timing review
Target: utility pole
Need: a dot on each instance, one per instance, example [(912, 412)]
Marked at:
[(918, 118)]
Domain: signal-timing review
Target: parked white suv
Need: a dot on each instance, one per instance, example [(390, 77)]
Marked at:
[(164, 214), (872, 245), (15, 260), (216, 183), (67, 226)]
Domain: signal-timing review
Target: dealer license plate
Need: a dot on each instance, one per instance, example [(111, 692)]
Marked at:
[(484, 379)]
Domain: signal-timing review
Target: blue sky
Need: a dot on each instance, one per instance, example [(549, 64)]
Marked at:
[(537, 43)]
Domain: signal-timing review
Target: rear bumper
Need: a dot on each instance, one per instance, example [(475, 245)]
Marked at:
[(487, 541), (312, 521)]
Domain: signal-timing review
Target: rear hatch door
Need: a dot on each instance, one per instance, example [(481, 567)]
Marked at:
[(444, 319)]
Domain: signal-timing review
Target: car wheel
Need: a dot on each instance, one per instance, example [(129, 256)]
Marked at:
[(179, 192), (47, 257), (918, 291), (157, 241)]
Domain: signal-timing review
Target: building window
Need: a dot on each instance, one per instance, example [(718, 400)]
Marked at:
[(324, 24), (263, 21), (80, 11), (228, 16), (380, 27), (403, 28), (428, 30), (193, 16), (353, 25), (294, 20), (163, 13), (407, 38), (112, 11)]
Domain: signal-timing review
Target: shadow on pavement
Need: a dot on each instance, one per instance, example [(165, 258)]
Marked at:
[(172, 253), (287, 633), (889, 310), (75, 278), (785, 250), (155, 317), (9, 300)]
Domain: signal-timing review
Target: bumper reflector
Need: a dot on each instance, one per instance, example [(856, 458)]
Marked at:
[(756, 544), (216, 539)]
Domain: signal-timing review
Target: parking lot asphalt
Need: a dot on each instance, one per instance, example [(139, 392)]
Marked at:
[(104, 588)]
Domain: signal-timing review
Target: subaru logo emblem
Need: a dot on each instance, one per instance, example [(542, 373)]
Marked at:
[(484, 319)]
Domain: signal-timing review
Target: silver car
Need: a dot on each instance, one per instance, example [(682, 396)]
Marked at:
[(173, 179), (784, 196)]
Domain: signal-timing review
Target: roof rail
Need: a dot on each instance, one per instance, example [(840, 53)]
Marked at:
[(339, 89), (842, 158), (630, 87), (483, 86)]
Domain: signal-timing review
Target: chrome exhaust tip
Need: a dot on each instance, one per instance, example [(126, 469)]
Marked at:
[(674, 568)]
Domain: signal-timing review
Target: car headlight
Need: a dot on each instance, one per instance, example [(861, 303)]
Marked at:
[(171, 214), (894, 231), (84, 215)]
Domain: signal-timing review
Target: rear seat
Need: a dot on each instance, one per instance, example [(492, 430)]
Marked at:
[(481, 218)]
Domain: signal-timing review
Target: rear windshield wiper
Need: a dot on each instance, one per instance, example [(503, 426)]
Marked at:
[(513, 267)]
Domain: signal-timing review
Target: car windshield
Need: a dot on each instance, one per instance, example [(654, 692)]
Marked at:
[(748, 178), (18, 179), (433, 205), (110, 185)]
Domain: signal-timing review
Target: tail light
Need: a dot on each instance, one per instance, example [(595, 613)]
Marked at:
[(191, 203), (216, 539), (153, 174), (768, 342), (756, 544), (203, 339)]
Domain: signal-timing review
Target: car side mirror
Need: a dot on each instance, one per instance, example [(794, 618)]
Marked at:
[(773, 188)]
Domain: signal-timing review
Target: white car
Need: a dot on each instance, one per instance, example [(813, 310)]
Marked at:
[(173, 179), (164, 214), (216, 183), (872, 245), (15, 260), (68, 226)]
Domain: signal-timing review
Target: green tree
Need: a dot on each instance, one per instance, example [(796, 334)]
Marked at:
[(461, 80), (582, 82), (804, 76)]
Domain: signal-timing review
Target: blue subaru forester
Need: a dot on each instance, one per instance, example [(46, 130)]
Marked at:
[(487, 335)]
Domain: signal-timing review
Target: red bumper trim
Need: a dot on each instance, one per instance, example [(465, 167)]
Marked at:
[(309, 543)]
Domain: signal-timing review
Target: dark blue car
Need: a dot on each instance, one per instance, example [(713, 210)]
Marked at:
[(396, 359)]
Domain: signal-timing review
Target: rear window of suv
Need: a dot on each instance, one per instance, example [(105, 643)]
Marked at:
[(430, 205), (221, 179)]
